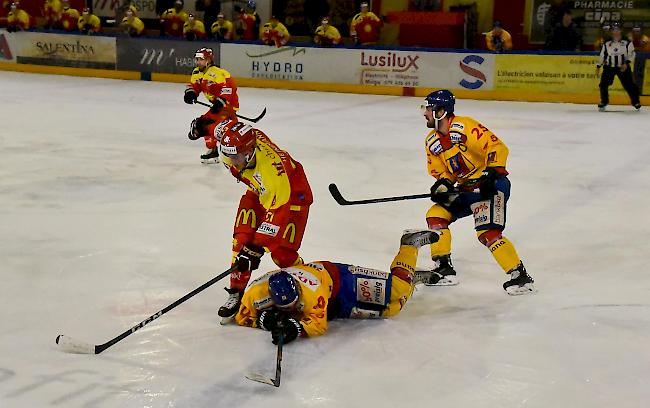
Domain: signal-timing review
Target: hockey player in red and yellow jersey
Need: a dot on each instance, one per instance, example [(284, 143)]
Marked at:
[(193, 28), (17, 19), (273, 212), (365, 26), (52, 12), (69, 16), (274, 33), (220, 90), (173, 19), (298, 301), (89, 23), (468, 162)]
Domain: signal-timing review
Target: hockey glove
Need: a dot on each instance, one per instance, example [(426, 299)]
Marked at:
[(440, 191), (190, 96), (289, 328), (268, 319), (197, 128), (218, 105), (248, 258), (487, 181)]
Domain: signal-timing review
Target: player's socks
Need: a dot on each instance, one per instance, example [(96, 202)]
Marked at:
[(520, 283), (211, 156), (443, 274), (232, 303)]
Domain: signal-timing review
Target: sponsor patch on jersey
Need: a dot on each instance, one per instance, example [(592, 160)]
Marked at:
[(371, 291), (263, 303), (492, 157), (456, 137), (358, 270), (458, 126), (268, 229), (499, 209), (226, 91), (306, 278), (481, 213), (436, 147)]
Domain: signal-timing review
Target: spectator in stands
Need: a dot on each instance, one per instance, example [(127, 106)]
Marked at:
[(131, 24), (251, 10), (52, 12), (565, 36), (173, 19), (498, 40), (326, 34), (222, 29), (17, 19), (365, 26), (69, 16), (641, 41), (244, 25), (193, 28), (210, 9), (604, 36), (553, 16), (274, 33), (89, 23)]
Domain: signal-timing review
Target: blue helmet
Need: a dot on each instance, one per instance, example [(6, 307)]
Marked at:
[(283, 289), (442, 99), (251, 4)]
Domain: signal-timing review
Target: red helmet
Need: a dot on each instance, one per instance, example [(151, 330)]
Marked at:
[(237, 141), (204, 53)]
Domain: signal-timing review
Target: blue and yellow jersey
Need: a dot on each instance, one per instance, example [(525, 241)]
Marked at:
[(463, 154), (315, 287)]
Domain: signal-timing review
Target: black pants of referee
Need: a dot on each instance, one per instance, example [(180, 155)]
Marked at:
[(607, 79)]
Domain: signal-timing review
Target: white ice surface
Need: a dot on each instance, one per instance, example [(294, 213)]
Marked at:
[(106, 216)]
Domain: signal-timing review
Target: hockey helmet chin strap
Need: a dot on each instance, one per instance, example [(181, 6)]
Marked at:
[(438, 119)]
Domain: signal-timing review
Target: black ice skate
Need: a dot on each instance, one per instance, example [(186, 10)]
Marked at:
[(520, 282), (637, 106), (211, 156), (601, 107), (419, 237), (230, 308), (443, 274)]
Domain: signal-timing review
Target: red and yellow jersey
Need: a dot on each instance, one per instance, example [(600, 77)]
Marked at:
[(196, 26), (223, 29), (69, 18), (247, 24), (174, 21), (18, 19), (275, 32), (215, 83), (315, 289), (89, 20), (52, 11), (328, 35), (134, 23), (277, 179), (505, 37), (366, 27), (463, 154)]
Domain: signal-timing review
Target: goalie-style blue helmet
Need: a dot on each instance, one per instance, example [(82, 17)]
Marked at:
[(442, 99), (283, 289)]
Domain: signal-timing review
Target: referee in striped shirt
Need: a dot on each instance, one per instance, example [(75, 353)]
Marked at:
[(616, 55)]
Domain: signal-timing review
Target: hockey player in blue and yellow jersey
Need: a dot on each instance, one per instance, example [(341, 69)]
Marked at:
[(299, 300), (468, 162)]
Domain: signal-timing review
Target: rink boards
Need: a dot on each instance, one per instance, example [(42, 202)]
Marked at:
[(409, 72)]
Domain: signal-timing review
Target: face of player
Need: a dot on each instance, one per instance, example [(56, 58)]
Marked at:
[(616, 35), (435, 119), (241, 161), (498, 30), (201, 63)]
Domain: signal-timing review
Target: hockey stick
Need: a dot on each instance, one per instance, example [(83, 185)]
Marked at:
[(336, 194), (254, 120), (278, 368), (71, 345)]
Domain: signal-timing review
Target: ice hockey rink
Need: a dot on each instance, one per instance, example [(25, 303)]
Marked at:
[(107, 216)]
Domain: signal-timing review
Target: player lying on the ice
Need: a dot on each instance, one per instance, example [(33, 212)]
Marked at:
[(299, 300)]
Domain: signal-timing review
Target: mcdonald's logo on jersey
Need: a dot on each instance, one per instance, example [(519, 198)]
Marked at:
[(243, 217), (290, 230)]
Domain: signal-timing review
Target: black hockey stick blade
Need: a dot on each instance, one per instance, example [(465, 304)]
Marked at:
[(70, 345), (338, 197), (254, 120), (278, 369)]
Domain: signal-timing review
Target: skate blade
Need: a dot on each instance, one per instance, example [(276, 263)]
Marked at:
[(527, 289), (209, 161), (227, 320), (450, 280), (261, 379)]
